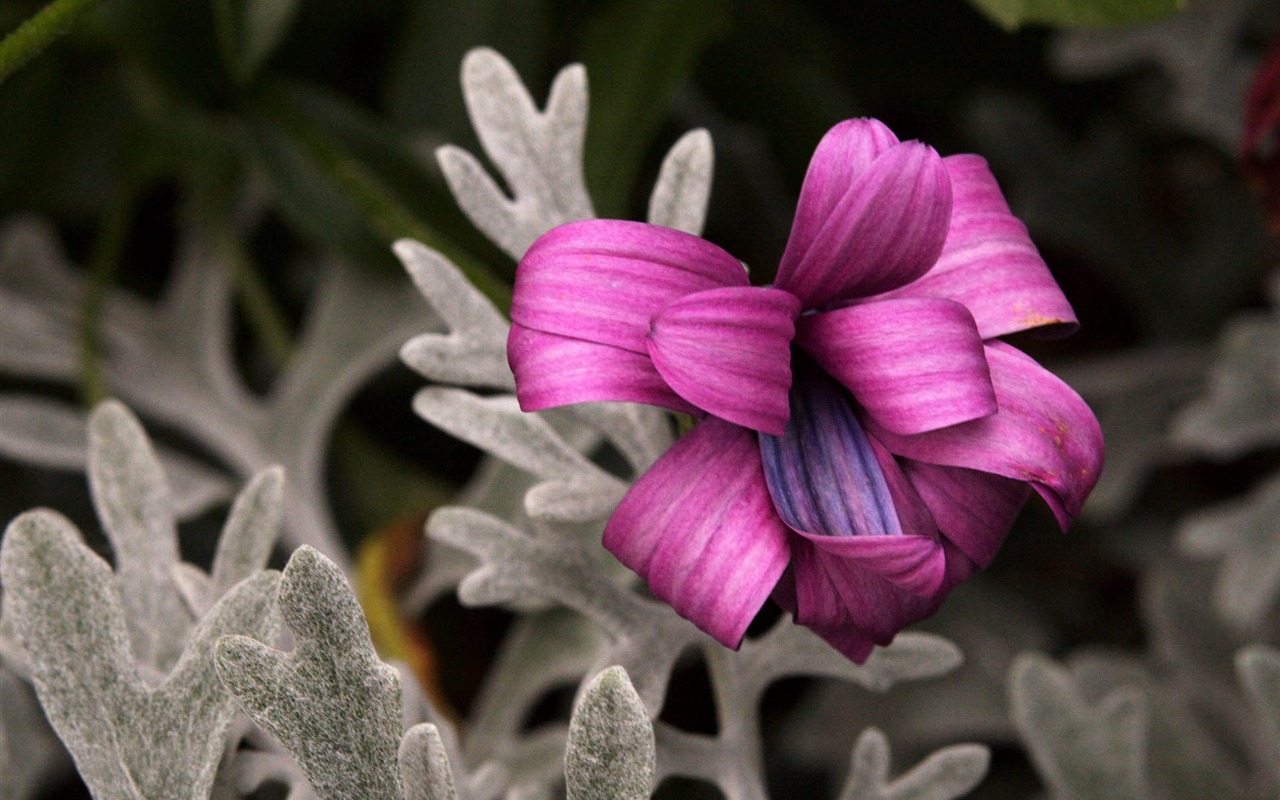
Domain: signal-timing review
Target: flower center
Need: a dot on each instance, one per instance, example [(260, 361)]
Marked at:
[(822, 472)]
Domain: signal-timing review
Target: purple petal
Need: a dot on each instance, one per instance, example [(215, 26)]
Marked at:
[(1043, 434), (884, 232), (989, 263), (975, 510), (603, 280), (728, 352), (915, 364), (844, 153), (822, 473), (556, 370), (836, 589), (700, 528)]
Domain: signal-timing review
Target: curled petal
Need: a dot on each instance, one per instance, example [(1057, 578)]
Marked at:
[(914, 364), (822, 472), (700, 528), (853, 609), (556, 370), (603, 280), (974, 510), (1043, 434), (844, 153), (989, 263), (728, 352), (885, 231)]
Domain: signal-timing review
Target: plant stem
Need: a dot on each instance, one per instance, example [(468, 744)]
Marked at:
[(263, 314), (34, 35), (104, 264), (387, 216)]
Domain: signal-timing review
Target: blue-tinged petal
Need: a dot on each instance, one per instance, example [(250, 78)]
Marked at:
[(885, 231), (915, 364), (822, 472), (603, 280), (700, 528), (553, 370), (728, 352)]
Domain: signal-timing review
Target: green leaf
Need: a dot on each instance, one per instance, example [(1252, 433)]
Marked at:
[(249, 31), (1013, 14), (637, 55)]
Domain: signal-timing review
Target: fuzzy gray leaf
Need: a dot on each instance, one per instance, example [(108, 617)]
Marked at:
[(1258, 667), (1082, 752), (49, 433), (424, 766), (1245, 534), (132, 499), (1184, 759), (538, 153), (1238, 412), (949, 773), (680, 196), (610, 753), (579, 490), (250, 531), (331, 702), (474, 351), (129, 741)]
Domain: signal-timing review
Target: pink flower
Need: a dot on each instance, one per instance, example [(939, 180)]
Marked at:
[(865, 439)]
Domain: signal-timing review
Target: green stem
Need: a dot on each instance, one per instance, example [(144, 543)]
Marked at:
[(36, 33), (387, 216), (104, 264), (263, 314)]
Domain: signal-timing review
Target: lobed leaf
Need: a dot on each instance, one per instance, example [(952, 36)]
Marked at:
[(946, 774), (1082, 752), (680, 195), (332, 703), (128, 740), (538, 153)]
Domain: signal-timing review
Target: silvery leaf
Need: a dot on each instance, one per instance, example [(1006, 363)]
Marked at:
[(1238, 412), (424, 766), (575, 489), (49, 433), (1258, 668), (1245, 534), (539, 154), (1082, 751), (610, 751), (949, 773), (474, 350), (131, 496), (679, 198), (130, 741), (331, 702)]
